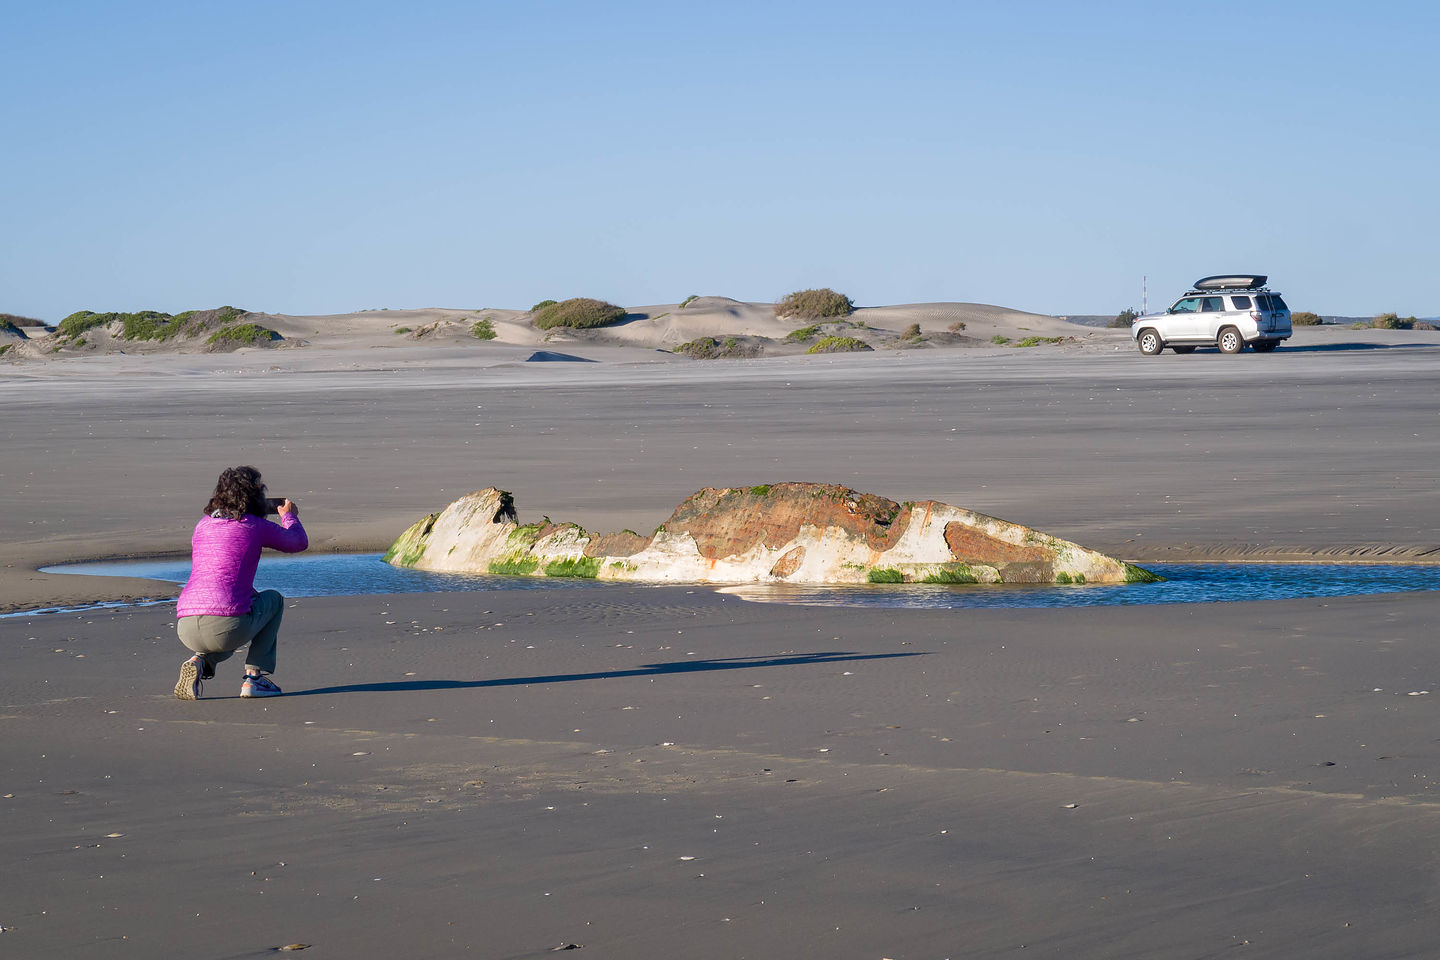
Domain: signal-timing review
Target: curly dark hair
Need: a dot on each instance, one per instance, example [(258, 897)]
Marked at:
[(238, 492)]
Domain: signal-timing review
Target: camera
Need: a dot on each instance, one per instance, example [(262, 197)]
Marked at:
[(273, 504)]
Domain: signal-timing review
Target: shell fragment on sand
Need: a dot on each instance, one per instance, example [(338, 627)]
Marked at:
[(781, 533)]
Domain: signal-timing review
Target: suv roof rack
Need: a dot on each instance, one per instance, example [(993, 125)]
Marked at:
[(1232, 281)]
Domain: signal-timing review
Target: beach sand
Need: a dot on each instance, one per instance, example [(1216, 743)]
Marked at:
[(652, 772)]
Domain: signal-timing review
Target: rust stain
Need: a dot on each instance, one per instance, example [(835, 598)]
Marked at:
[(789, 563), (972, 546)]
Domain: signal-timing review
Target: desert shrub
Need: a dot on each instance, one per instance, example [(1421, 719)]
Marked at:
[(815, 304), (577, 313), (483, 329), (1359, 325), (956, 327), (999, 340), (1424, 325), (1388, 321), (82, 320), (9, 321), (248, 334), (402, 329), (1123, 318), (1304, 318), (8, 326), (542, 305), (911, 332), (689, 300), (713, 348), (839, 345), (802, 334), (1036, 341), (148, 325)]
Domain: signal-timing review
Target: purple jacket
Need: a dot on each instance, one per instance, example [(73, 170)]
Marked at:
[(224, 555)]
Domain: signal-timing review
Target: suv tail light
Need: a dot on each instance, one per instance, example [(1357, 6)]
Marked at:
[(1255, 315)]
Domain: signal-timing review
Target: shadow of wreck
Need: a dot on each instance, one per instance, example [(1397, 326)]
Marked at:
[(646, 670)]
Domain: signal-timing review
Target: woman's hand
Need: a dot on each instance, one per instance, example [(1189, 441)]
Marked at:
[(289, 507)]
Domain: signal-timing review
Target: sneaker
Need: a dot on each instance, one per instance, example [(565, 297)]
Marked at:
[(191, 673), (259, 685)]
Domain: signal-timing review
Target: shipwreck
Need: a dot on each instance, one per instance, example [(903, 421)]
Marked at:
[(808, 533)]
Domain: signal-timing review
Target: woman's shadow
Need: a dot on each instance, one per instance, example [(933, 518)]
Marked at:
[(646, 670)]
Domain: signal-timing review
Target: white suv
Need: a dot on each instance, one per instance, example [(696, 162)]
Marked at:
[(1230, 312)]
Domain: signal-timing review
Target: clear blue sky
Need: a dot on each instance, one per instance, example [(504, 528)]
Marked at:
[(325, 157)]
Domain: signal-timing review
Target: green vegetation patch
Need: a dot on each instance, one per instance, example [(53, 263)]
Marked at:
[(815, 304), (483, 329), (884, 575), (150, 324), (839, 345), (515, 565), (1134, 574), (713, 348), (1123, 319), (952, 573), (585, 568), (82, 320), (578, 313), (763, 490), (801, 334), (523, 537), (542, 305), (1063, 577), (1036, 341), (247, 334), (689, 300), (5, 349), (1304, 318), (999, 340)]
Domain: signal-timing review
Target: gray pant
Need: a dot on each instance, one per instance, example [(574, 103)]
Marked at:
[(217, 638)]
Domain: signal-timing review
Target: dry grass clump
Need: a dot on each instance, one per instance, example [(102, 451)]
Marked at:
[(1388, 321), (911, 332), (243, 334), (1304, 318), (815, 305), (957, 327), (578, 313), (839, 345)]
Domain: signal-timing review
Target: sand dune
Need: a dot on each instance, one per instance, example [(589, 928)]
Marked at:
[(646, 328)]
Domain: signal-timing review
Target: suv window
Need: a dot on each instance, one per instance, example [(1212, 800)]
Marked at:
[(1271, 301), (1241, 303), (1213, 305), (1188, 305)]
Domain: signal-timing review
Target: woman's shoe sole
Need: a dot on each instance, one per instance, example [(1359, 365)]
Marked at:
[(188, 683)]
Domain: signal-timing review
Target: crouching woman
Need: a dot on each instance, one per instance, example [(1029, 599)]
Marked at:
[(219, 610)]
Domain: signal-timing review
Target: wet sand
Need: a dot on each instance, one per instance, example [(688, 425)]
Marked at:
[(652, 772)]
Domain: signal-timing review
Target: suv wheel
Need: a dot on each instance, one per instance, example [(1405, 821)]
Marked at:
[(1230, 341), (1149, 342)]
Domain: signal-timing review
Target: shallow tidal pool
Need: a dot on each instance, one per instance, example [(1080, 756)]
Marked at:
[(324, 575)]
